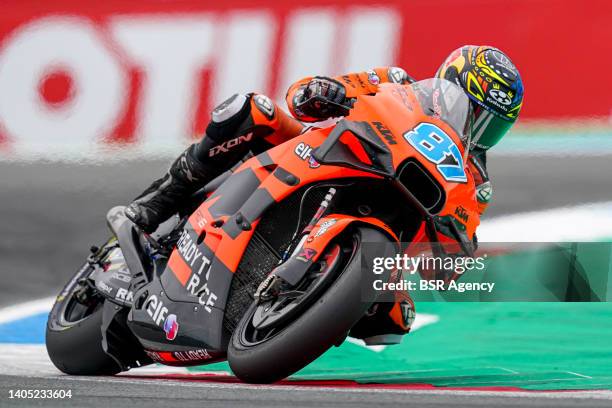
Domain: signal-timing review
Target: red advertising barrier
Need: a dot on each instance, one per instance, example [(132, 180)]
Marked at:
[(78, 72)]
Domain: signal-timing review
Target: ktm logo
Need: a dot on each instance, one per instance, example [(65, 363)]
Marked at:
[(226, 146), (462, 214), (386, 133)]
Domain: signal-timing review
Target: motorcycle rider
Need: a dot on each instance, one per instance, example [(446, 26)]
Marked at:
[(253, 122)]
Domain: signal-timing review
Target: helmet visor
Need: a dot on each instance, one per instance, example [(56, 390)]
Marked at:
[(488, 129)]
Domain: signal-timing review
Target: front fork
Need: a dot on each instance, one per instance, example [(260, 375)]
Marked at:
[(274, 283)]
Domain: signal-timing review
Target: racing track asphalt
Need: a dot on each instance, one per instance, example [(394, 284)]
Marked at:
[(119, 392), (51, 213)]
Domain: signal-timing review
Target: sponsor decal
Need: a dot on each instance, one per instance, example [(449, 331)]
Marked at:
[(124, 295), (306, 255), (497, 104), (373, 77), (385, 132), (436, 105), (174, 356), (157, 357), (230, 144), (325, 226), (121, 276), (156, 310), (461, 213), (159, 314), (104, 287), (304, 152), (312, 163), (171, 327), (195, 284), (189, 249), (347, 80), (200, 219), (192, 355), (500, 96)]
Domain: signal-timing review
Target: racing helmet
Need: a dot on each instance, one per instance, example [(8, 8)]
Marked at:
[(494, 87)]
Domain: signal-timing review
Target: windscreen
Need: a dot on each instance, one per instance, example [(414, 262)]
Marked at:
[(444, 100)]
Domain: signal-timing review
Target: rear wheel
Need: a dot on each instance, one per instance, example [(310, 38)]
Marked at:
[(277, 338)]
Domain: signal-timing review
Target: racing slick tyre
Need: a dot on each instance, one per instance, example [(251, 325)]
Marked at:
[(265, 355), (74, 334)]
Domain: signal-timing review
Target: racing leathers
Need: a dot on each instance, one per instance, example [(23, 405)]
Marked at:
[(253, 122)]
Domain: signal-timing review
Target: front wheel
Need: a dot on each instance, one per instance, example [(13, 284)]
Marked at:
[(74, 332), (271, 344)]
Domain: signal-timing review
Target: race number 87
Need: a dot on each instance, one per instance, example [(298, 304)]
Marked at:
[(437, 147)]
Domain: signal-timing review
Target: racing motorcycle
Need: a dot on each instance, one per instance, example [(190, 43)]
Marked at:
[(269, 268)]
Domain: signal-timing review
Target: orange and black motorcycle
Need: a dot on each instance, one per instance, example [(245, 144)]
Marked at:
[(269, 271)]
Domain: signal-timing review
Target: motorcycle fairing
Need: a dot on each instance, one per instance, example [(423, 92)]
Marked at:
[(222, 226), (200, 269)]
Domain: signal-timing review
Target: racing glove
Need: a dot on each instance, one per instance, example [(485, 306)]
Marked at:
[(322, 98)]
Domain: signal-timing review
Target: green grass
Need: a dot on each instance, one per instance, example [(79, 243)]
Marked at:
[(534, 346)]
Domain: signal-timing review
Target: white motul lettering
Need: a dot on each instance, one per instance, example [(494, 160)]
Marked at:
[(308, 47), (171, 51), (372, 29), (245, 36), (73, 46)]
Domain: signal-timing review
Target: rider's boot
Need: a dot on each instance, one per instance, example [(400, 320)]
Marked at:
[(386, 323), (162, 199), (239, 124)]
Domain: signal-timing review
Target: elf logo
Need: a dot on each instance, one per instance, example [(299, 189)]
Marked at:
[(157, 310), (304, 152)]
